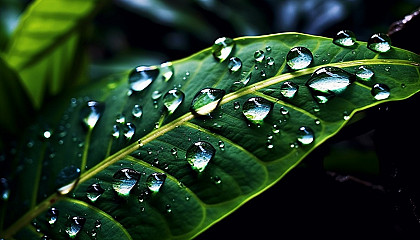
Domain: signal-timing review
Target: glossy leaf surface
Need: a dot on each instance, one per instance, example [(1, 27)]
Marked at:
[(247, 156)]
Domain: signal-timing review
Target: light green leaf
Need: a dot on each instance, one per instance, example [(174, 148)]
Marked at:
[(46, 47), (248, 158)]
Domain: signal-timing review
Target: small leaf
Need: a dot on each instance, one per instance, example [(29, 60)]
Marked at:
[(237, 158)]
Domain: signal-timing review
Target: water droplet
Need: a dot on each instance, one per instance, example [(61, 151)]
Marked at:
[(155, 181), (299, 58), (379, 42), (129, 131), (221, 145), (284, 111), (46, 134), (270, 61), (94, 191), (268, 48), (216, 180), (245, 77), (259, 56), (167, 70), (172, 99), (141, 77), (206, 101), (199, 155), (256, 109), (76, 224), (346, 115), (137, 111), (326, 82), (234, 64), (67, 179), (120, 119), (380, 91), (236, 105), (143, 196), (98, 224), (364, 73), (115, 131), (222, 48), (168, 208), (52, 215), (276, 128), (288, 89), (156, 95), (305, 135), (91, 113), (174, 152), (345, 38), (4, 189), (124, 180)]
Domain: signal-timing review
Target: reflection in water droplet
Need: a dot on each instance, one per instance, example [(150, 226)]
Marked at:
[(379, 42), (94, 191), (327, 82), (91, 113), (288, 89), (129, 131), (380, 91), (199, 155), (221, 145), (137, 111), (141, 77), (305, 135), (222, 48), (242, 82), (299, 58), (345, 38), (234, 64), (4, 189), (67, 178), (206, 101), (259, 56), (172, 99), (115, 131), (155, 181), (364, 73), (167, 70), (52, 215), (270, 62), (216, 180), (256, 109), (76, 224), (120, 118), (124, 180)]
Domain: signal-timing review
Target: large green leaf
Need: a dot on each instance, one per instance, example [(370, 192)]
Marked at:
[(46, 49), (249, 157)]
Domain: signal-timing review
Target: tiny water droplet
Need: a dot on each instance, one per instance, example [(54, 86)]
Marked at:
[(299, 58), (379, 42), (143, 196), (91, 113), (276, 128), (216, 180), (155, 181), (4, 189), (129, 131), (305, 135), (206, 101), (46, 134), (234, 64), (94, 191), (268, 48), (124, 180), (270, 61), (115, 131), (380, 91), (168, 208), (141, 77), (120, 119), (259, 56), (256, 109), (98, 224), (222, 48), (317, 121), (167, 70), (245, 78), (221, 145), (346, 115), (345, 38), (76, 224), (137, 111), (52, 215), (289, 89), (327, 82), (66, 179), (284, 111), (172, 99), (174, 152), (199, 155), (364, 73)]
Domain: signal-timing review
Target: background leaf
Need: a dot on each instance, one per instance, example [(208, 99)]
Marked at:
[(243, 166)]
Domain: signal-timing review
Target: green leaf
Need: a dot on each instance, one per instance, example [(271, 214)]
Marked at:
[(46, 47), (248, 159)]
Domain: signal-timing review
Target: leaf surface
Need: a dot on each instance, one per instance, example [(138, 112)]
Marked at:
[(248, 157)]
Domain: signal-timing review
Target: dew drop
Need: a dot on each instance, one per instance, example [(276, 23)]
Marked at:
[(327, 82), (364, 73), (172, 99), (115, 131), (379, 42), (67, 179), (299, 58), (141, 77), (120, 119), (124, 180), (256, 109), (94, 191), (167, 70), (222, 48), (4, 189), (236, 105), (206, 101), (259, 56), (221, 145), (76, 224), (234, 64), (216, 180), (268, 49), (380, 91), (305, 135), (168, 208), (91, 113), (137, 111), (284, 111), (270, 61), (155, 181), (199, 155), (174, 152), (52, 215), (288, 89), (345, 38), (243, 81), (129, 131)]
